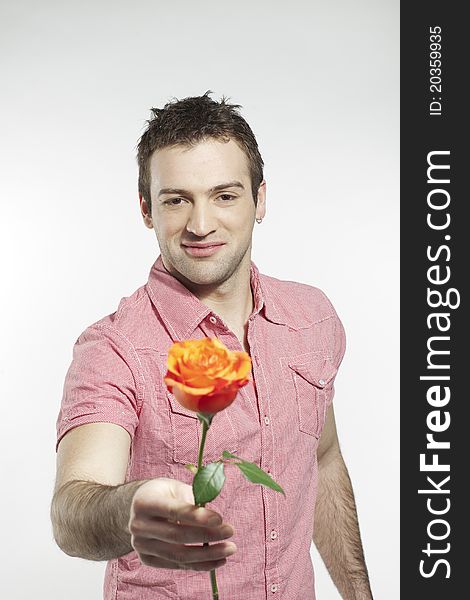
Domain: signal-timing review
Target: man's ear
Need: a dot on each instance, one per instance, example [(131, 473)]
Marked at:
[(144, 209), (261, 202)]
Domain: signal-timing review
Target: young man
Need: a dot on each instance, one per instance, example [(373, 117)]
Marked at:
[(123, 493)]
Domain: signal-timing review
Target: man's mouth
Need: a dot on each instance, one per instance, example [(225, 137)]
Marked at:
[(202, 248)]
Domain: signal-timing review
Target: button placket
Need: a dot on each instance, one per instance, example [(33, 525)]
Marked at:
[(269, 499)]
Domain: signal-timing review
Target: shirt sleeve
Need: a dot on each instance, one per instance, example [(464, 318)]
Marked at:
[(339, 349), (102, 383), (340, 342)]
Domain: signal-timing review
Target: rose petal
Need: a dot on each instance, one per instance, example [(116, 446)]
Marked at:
[(199, 381), (187, 400), (193, 391)]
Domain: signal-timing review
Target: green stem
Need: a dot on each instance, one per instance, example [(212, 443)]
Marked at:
[(201, 446), (205, 427), (215, 591)]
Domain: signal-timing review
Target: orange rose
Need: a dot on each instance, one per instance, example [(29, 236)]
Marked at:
[(204, 375)]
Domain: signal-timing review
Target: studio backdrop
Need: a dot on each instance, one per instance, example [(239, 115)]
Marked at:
[(318, 84)]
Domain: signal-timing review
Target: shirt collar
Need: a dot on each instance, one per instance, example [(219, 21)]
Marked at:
[(182, 311)]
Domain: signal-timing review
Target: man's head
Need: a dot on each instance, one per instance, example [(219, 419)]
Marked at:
[(201, 171), (189, 121)]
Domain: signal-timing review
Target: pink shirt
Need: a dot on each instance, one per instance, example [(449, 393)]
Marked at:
[(296, 344)]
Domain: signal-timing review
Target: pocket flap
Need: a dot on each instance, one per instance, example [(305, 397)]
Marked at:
[(316, 369)]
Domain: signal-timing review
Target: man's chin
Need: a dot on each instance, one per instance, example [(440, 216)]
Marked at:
[(205, 276), (204, 271)]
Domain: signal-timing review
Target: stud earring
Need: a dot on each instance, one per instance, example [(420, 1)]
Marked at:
[(259, 220)]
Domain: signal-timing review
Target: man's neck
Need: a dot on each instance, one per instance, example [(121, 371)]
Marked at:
[(232, 300)]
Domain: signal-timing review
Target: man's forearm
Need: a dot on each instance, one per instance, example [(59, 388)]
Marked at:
[(336, 530), (90, 520)]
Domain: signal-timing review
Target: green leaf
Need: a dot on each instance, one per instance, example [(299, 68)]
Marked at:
[(191, 467), (253, 473), (208, 482), (227, 454), (256, 475)]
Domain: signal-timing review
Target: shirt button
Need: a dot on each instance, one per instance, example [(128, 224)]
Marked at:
[(321, 381), (273, 587), (266, 420), (213, 320), (273, 535)]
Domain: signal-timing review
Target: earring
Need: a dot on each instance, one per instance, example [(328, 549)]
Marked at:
[(259, 220)]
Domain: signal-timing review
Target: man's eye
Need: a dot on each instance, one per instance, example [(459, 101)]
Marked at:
[(226, 197), (173, 201)]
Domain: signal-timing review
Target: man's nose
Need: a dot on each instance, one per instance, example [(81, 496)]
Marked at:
[(201, 220)]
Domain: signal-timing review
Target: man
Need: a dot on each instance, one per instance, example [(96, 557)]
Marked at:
[(123, 493)]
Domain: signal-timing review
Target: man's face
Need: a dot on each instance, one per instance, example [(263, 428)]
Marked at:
[(203, 195)]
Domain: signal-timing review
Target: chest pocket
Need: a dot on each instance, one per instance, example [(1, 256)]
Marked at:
[(312, 377), (186, 431)]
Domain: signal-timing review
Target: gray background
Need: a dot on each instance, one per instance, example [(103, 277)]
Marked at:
[(318, 82)]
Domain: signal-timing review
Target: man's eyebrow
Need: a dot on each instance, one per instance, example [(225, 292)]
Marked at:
[(216, 188)]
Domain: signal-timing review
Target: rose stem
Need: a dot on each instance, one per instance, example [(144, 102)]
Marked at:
[(201, 447), (205, 427)]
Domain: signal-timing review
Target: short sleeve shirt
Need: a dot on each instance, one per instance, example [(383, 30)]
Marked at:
[(296, 343)]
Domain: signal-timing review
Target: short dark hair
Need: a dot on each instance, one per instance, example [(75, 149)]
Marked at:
[(189, 121)]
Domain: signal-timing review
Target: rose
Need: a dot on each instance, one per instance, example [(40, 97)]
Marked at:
[(204, 375)]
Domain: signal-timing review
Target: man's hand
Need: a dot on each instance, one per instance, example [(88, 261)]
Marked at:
[(96, 516), (163, 519)]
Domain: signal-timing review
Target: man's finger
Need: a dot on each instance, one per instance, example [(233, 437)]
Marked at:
[(167, 531), (181, 554), (175, 510)]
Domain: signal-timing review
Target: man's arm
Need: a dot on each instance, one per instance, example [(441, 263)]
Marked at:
[(336, 530), (91, 505), (98, 517)]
